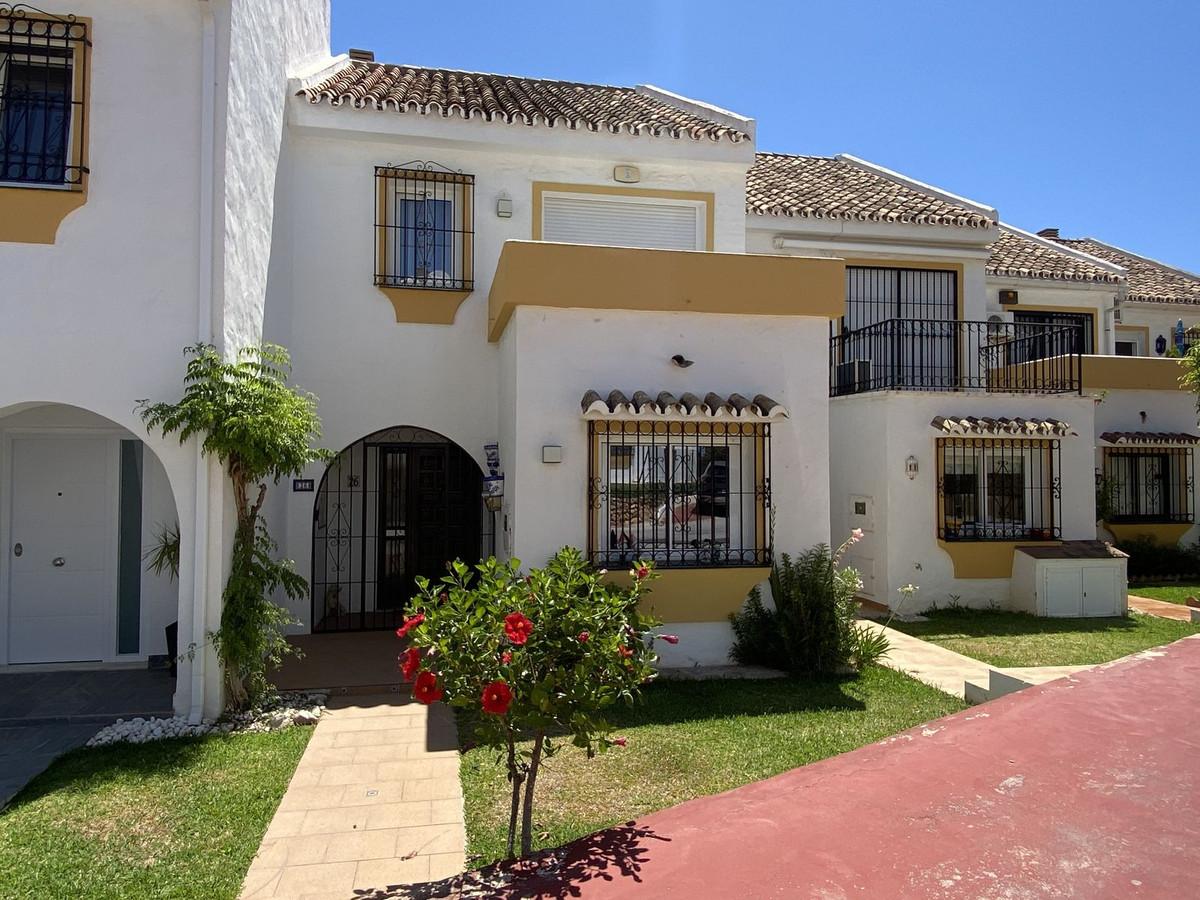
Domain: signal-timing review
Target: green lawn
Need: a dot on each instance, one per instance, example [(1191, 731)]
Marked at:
[(689, 739), (172, 819), (1172, 593), (1009, 639)]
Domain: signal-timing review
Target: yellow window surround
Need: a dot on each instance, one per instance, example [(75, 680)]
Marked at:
[(33, 206), (424, 217)]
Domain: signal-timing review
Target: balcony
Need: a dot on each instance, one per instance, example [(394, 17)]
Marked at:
[(919, 355)]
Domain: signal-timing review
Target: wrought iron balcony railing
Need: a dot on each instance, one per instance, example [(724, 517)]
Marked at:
[(920, 355)]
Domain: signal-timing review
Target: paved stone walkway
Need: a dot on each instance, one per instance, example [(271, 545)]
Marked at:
[(1160, 608), (944, 669), (375, 803)]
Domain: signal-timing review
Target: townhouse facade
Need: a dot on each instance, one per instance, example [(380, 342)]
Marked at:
[(536, 313)]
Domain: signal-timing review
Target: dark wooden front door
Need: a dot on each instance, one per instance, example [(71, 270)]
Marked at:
[(429, 515)]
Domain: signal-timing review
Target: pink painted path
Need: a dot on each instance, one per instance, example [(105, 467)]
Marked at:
[(1085, 787)]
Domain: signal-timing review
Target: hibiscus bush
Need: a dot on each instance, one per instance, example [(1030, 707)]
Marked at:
[(538, 656)]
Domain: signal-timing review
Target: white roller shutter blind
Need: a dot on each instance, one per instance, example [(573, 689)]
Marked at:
[(622, 222)]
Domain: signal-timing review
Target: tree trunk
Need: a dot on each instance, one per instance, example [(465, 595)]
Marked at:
[(530, 781), (515, 777)]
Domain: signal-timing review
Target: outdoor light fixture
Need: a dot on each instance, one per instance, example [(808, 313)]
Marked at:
[(910, 467), (682, 361), (504, 207)]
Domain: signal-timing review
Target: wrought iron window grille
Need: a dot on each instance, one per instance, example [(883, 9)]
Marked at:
[(1002, 489), (1150, 484), (424, 227), (43, 98), (683, 494)]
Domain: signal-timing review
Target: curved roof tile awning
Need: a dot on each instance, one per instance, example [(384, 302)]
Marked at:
[(664, 404), (1149, 437), (1018, 427)]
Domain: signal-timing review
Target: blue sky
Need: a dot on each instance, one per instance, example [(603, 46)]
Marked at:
[(1080, 115)]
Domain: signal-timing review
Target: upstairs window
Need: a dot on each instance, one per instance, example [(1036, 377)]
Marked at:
[(424, 227), (614, 220), (43, 66)]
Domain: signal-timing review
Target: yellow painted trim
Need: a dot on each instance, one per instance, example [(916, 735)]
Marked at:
[(986, 559), (1132, 373), (1144, 329), (425, 307), (697, 595), (580, 276), (1165, 533), (31, 215), (708, 198)]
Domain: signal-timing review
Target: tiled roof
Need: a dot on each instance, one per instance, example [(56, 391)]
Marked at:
[(664, 403), (825, 187), (1149, 281), (1015, 255), (962, 425), (1149, 437), (1074, 550), (514, 100)]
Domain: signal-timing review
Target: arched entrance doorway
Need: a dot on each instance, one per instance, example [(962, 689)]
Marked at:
[(395, 505)]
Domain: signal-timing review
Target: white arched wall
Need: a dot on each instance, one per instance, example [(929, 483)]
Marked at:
[(171, 479)]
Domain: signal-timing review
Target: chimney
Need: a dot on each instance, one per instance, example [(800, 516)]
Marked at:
[(362, 55), (1051, 233)]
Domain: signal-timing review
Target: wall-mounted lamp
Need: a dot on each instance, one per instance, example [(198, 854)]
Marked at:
[(682, 361), (504, 207), (910, 467)]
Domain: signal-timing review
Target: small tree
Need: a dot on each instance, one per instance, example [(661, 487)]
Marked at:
[(535, 656), (260, 429)]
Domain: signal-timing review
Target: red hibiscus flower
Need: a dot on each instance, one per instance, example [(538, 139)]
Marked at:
[(409, 625), (427, 690), (517, 628), (625, 651), (497, 698), (641, 572), (410, 662), (506, 657), (584, 637), (670, 638), (620, 742)]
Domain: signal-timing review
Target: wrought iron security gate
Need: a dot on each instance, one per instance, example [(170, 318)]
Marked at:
[(398, 504)]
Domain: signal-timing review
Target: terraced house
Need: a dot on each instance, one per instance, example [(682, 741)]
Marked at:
[(536, 313)]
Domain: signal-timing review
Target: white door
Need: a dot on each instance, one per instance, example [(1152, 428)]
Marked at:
[(62, 549), (1062, 592), (1100, 591)]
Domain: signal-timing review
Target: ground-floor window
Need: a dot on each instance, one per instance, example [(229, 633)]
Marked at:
[(1149, 484), (998, 489), (393, 506), (680, 493)]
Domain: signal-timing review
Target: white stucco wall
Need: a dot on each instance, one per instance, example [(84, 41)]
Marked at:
[(1162, 411), (1159, 319), (898, 423), (371, 372)]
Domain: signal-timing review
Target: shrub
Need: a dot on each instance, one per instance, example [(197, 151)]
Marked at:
[(814, 625), (539, 656), (1150, 559)]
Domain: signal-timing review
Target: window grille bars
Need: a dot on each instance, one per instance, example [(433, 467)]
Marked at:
[(424, 227), (1150, 484), (43, 92), (683, 494), (1003, 489)]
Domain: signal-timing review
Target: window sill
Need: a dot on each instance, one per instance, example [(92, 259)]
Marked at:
[(32, 213), (424, 306)]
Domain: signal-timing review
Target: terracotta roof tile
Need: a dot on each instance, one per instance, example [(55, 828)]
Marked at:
[(1015, 255), (824, 187), (664, 403), (967, 425), (1149, 437), (1149, 281), (513, 100)]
